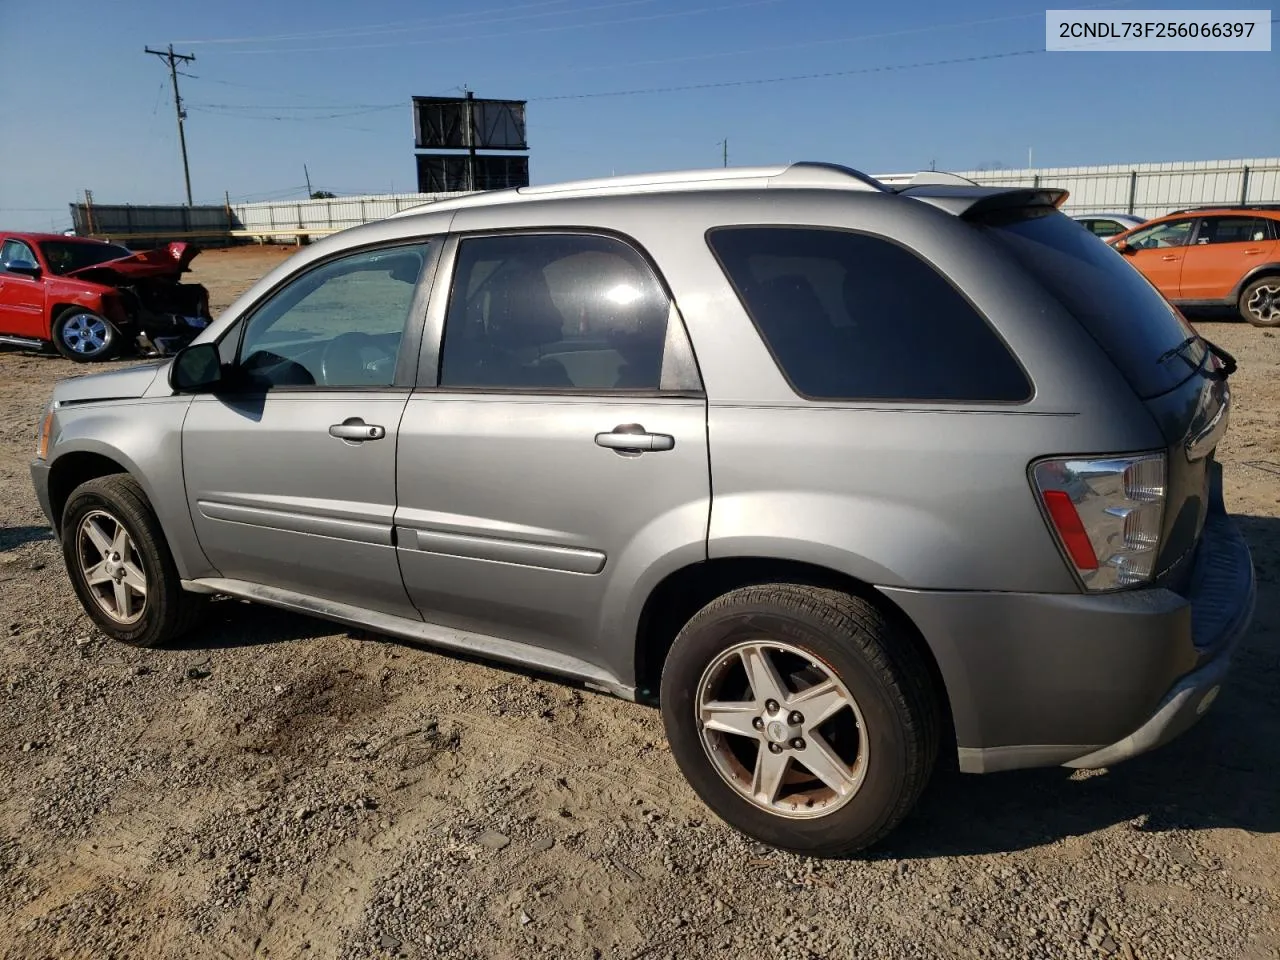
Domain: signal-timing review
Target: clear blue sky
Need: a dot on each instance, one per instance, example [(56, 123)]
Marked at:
[(84, 107)]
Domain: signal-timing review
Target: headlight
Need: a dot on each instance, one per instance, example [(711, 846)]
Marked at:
[(46, 429)]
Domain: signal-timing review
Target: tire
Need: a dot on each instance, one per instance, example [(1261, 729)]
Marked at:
[(84, 336), (156, 609), (887, 737), (1260, 301)]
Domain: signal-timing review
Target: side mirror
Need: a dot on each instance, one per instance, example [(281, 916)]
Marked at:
[(196, 368), (1123, 247), (25, 267)]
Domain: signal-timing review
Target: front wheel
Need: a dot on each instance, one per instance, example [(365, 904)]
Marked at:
[(801, 717), (120, 564), (1260, 302), (84, 336)]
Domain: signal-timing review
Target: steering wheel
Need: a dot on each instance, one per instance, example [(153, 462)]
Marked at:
[(342, 363)]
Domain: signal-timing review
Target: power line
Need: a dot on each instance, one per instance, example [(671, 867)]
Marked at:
[(339, 32), (822, 41), (514, 33), (172, 59), (794, 77)]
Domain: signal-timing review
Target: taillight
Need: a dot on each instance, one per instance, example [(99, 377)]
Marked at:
[(1106, 514)]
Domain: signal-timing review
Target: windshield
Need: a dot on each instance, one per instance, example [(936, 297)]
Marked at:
[(63, 256), (1137, 327)]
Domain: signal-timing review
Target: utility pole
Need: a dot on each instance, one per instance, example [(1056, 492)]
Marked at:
[(471, 141), (172, 59), (307, 173), (725, 153)]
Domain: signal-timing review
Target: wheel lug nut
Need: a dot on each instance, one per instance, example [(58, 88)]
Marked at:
[(758, 723), (798, 743), (775, 748), (796, 717), (771, 706)]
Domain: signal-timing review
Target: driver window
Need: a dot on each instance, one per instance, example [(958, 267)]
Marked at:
[(1173, 234), (338, 325)]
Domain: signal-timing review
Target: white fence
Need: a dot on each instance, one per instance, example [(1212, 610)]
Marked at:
[(288, 219), (1145, 189)]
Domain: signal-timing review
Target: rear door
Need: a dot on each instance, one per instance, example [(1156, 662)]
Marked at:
[(1224, 249), (561, 451), (21, 296), (1158, 252), (290, 471)]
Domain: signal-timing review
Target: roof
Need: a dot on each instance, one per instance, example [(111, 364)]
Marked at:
[(37, 237)]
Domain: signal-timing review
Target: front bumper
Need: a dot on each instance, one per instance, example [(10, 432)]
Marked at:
[(1088, 681), (40, 480)]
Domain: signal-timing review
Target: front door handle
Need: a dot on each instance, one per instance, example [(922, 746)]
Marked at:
[(355, 430), (1253, 251), (1169, 256), (632, 438)]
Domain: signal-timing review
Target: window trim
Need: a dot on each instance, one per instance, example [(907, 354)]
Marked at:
[(895, 402), (433, 340), (411, 335)]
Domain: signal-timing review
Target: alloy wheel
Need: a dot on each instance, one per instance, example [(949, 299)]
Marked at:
[(781, 729), (112, 567)]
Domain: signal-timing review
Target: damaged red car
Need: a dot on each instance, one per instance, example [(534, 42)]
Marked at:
[(93, 300)]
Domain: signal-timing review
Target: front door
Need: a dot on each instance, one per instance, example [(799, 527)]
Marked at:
[(1224, 250), (21, 295), (290, 471), (1158, 254), (562, 456)]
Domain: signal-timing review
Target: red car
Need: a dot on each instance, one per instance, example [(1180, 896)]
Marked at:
[(93, 300)]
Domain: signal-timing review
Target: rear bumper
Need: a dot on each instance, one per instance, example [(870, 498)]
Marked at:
[(1088, 681)]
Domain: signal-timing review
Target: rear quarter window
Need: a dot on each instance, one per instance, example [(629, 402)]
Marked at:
[(851, 316), (1129, 318)]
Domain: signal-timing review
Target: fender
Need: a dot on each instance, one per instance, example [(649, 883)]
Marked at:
[(1258, 271), (149, 447)]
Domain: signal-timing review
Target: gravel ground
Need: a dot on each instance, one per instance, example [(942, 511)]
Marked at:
[(277, 788)]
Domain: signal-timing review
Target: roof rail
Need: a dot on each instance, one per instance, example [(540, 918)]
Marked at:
[(1227, 205), (802, 174)]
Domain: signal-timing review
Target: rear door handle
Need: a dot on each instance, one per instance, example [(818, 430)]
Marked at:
[(355, 430), (633, 438)]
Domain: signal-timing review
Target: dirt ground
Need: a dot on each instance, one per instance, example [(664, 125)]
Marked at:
[(276, 787)]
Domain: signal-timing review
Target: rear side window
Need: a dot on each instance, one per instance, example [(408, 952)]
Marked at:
[(850, 316), (1117, 305), (1232, 230)]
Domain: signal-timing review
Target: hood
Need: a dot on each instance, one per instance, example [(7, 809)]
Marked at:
[(162, 263), (123, 384)]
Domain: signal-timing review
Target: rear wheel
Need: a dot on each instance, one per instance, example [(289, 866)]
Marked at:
[(84, 336), (801, 717), (120, 564), (1260, 302)]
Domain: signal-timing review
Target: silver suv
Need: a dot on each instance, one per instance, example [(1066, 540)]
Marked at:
[(840, 475)]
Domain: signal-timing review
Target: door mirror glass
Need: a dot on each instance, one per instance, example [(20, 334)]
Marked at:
[(196, 368), (1123, 247), (25, 267)]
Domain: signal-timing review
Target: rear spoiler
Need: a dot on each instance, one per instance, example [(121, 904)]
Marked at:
[(974, 202)]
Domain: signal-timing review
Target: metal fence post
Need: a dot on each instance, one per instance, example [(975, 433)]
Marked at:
[(1133, 190), (1244, 185)]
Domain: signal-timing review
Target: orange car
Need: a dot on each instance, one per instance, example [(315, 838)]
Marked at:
[(1212, 257)]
